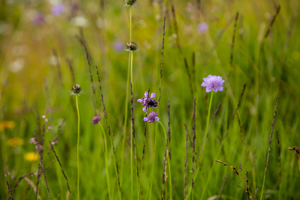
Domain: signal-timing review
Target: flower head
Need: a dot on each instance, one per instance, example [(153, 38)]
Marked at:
[(202, 27), (31, 156), (15, 142), (96, 119), (148, 101), (213, 83), (33, 140), (132, 46), (58, 9), (129, 3), (76, 90), (151, 117), (118, 46), (38, 19)]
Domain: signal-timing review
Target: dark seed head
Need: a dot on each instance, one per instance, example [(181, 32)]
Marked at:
[(130, 2), (132, 46), (76, 89)]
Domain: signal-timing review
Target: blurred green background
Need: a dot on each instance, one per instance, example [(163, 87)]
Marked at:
[(31, 82)]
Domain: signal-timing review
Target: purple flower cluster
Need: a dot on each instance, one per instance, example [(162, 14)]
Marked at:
[(213, 83), (58, 9), (148, 101), (96, 119), (151, 117)]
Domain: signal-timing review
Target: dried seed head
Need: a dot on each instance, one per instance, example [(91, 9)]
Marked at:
[(76, 90), (129, 3), (132, 46)]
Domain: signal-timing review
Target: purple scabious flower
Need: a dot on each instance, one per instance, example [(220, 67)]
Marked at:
[(213, 83), (118, 46), (151, 117), (96, 119), (38, 19), (58, 9), (202, 27), (148, 101)]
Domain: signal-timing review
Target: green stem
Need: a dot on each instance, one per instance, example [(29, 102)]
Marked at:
[(206, 133), (125, 121), (131, 78), (153, 166), (131, 63), (262, 190), (208, 118), (130, 24), (169, 164), (131, 163), (106, 167), (78, 193)]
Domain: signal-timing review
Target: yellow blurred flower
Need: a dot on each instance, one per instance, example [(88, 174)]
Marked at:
[(7, 125), (31, 156), (15, 142)]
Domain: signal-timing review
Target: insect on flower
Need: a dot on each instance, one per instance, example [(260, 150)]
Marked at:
[(148, 101)]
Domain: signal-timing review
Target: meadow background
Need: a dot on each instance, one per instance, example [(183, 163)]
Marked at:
[(38, 47)]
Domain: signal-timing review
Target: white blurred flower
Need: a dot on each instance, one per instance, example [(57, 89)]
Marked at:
[(17, 65), (80, 21)]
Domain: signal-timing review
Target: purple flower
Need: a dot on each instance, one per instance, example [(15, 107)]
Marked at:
[(33, 141), (118, 46), (213, 83), (151, 117), (96, 119), (202, 27), (148, 101), (58, 9), (38, 19)]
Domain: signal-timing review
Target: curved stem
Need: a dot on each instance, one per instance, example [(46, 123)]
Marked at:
[(206, 133), (169, 164), (78, 193), (106, 168)]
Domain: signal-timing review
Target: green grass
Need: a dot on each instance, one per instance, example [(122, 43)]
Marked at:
[(268, 74)]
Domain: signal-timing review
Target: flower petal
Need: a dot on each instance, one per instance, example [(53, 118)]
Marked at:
[(156, 118), (152, 95), (145, 119), (145, 109), (140, 100)]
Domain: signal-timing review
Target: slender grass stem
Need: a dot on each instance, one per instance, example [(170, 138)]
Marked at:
[(78, 115), (169, 164), (106, 167), (131, 63), (206, 133), (131, 164), (207, 120), (153, 165), (131, 78), (125, 121)]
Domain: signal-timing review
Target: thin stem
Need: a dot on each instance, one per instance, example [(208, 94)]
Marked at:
[(153, 165), (131, 78), (106, 167), (78, 146), (130, 24), (169, 164), (125, 121), (131, 63), (131, 163), (207, 120)]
